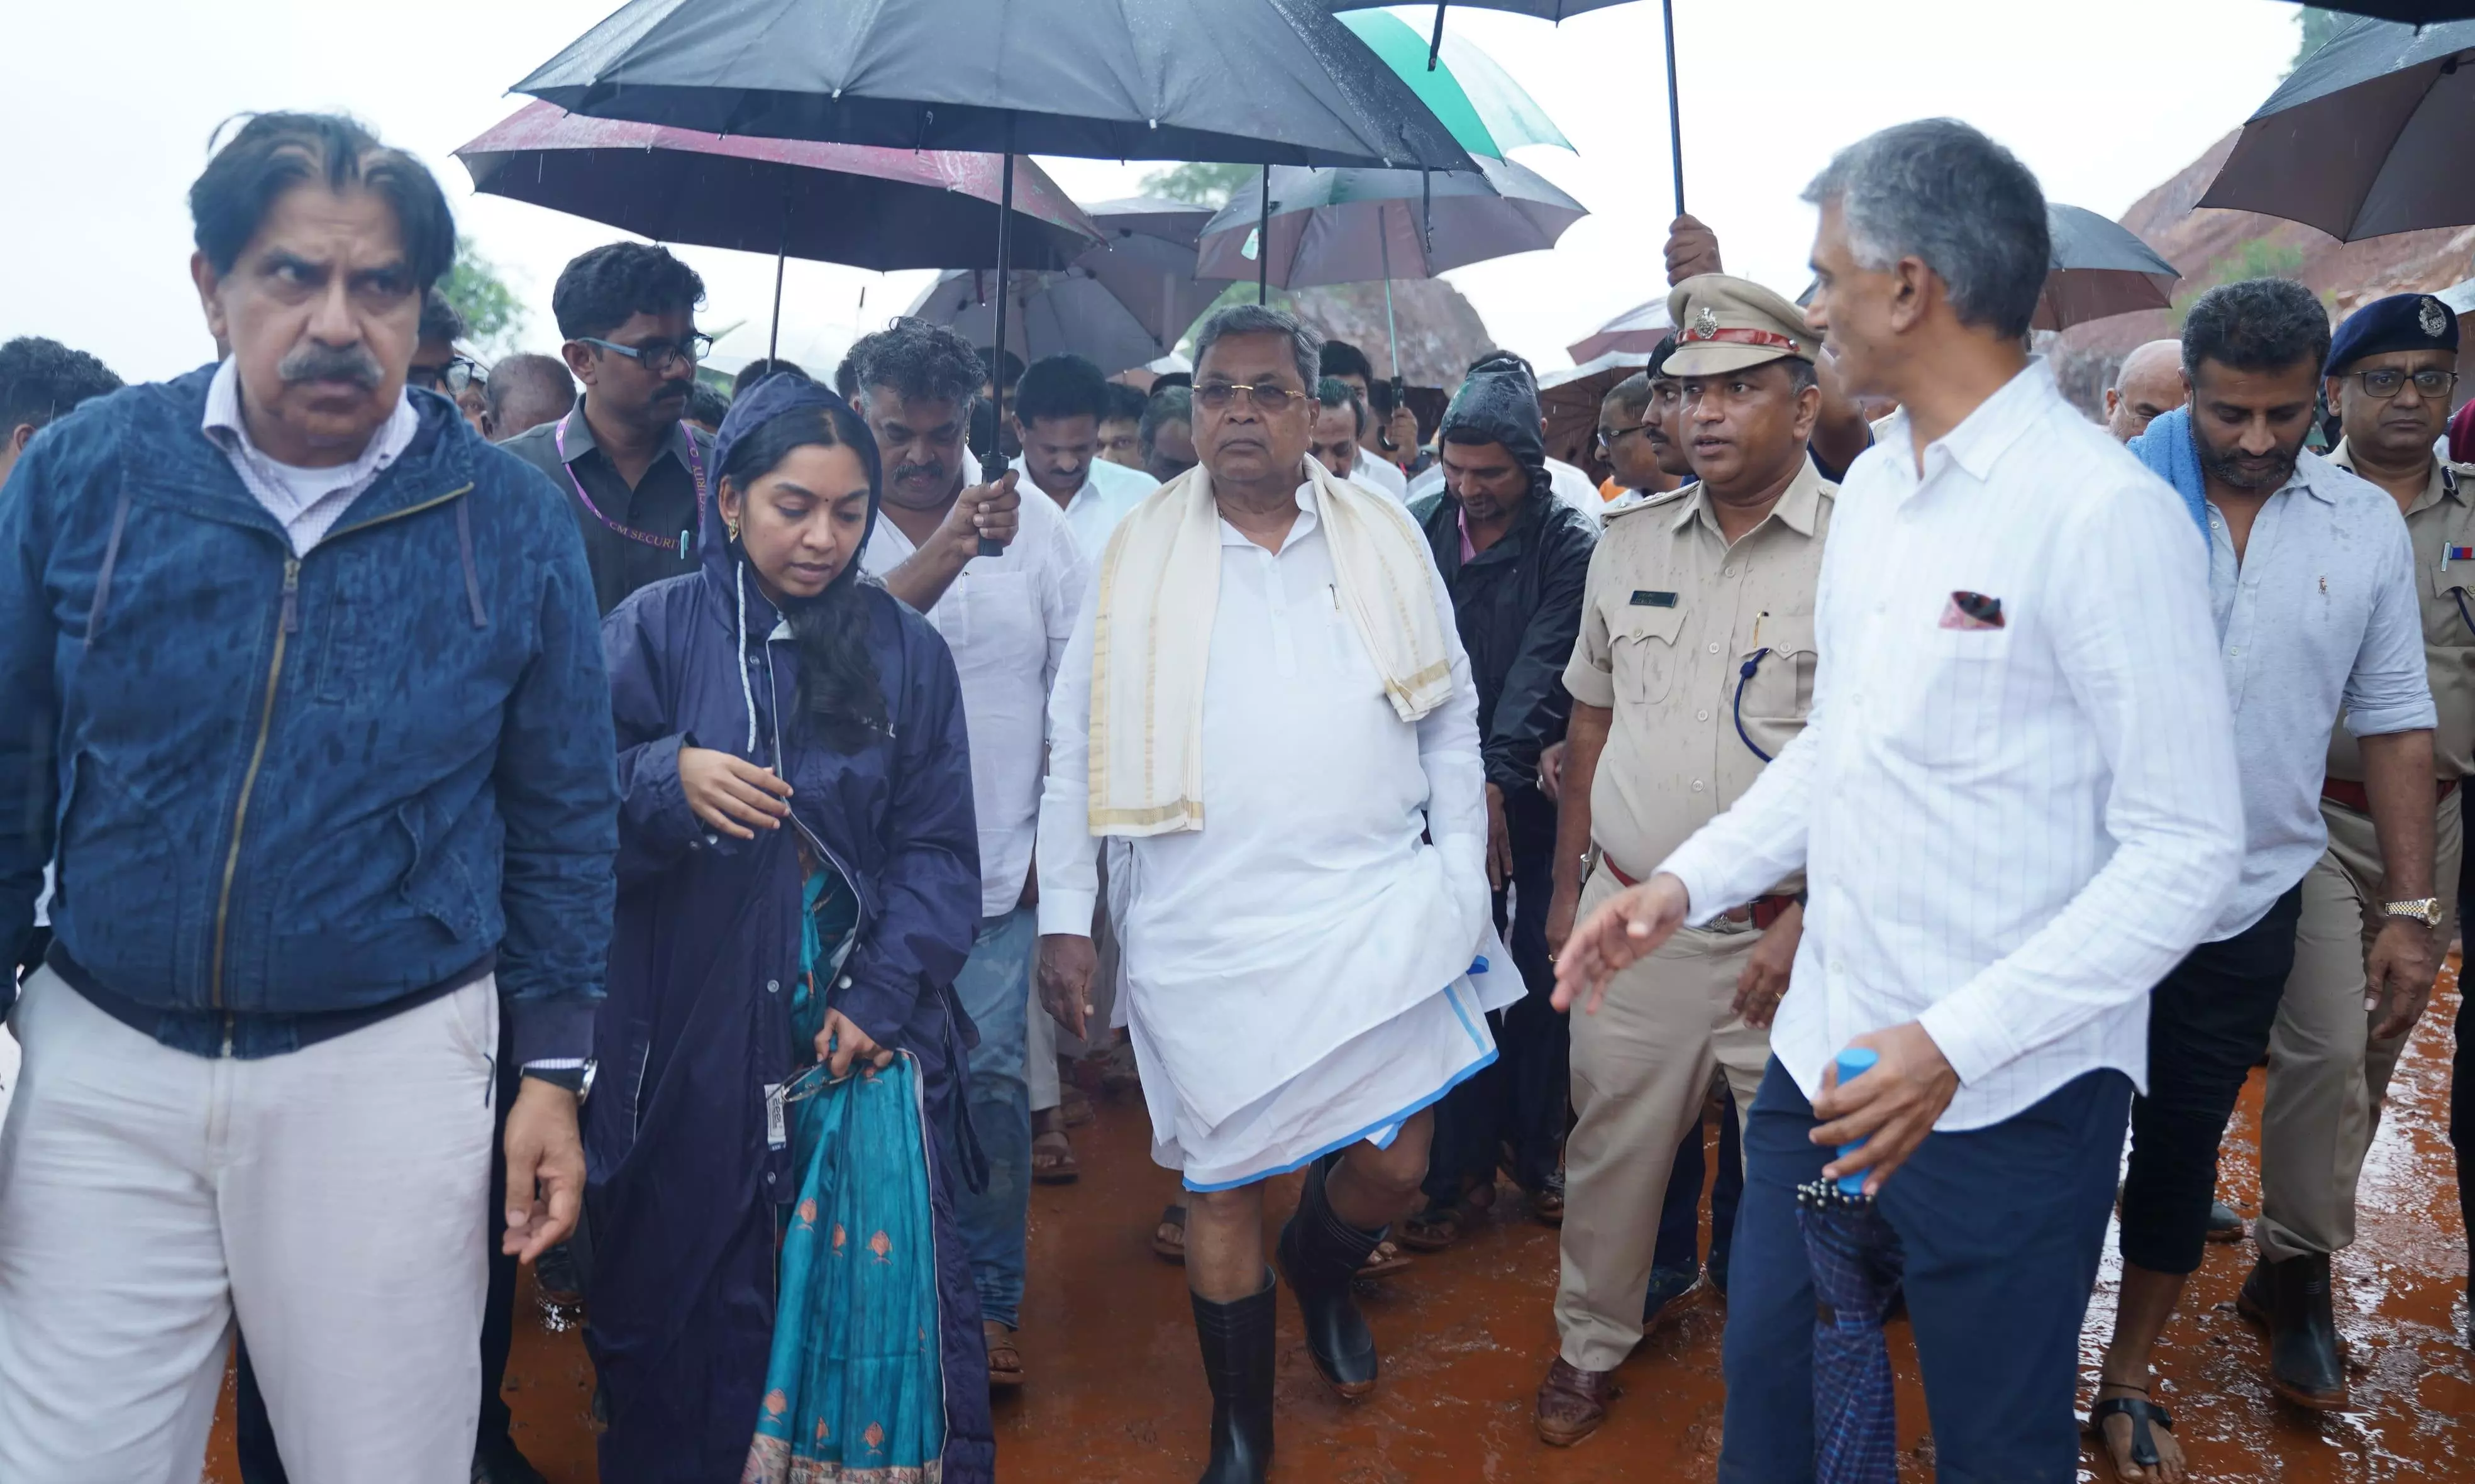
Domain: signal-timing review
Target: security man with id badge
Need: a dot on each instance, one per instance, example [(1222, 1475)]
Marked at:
[(2391, 372), (1694, 669)]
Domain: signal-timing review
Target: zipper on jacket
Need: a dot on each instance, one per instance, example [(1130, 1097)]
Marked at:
[(288, 624), (285, 628)]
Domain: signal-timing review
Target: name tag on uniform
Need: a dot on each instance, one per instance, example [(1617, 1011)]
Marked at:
[(1644, 598)]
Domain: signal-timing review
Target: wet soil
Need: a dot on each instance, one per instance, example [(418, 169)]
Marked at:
[(1117, 1396)]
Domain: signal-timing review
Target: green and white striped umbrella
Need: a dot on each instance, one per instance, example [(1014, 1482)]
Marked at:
[(1487, 111)]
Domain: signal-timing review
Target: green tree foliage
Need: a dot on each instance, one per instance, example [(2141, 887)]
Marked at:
[(492, 313), (2314, 26), (1199, 183), (2257, 258)]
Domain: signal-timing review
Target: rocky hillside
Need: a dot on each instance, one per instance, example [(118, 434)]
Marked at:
[(2212, 246), (1440, 330)]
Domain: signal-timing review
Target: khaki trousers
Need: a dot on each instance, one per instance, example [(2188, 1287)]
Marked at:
[(1641, 1072), (2326, 1075)]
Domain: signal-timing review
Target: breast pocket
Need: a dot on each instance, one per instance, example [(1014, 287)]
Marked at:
[(1644, 651), (2449, 618), (1954, 682), (1780, 689)]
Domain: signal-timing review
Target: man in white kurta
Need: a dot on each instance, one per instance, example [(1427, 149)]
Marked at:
[(1306, 930)]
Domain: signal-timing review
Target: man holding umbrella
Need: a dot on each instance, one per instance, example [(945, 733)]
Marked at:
[(1514, 558), (2390, 372)]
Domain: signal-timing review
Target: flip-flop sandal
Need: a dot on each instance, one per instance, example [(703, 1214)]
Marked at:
[(1386, 1261), (1118, 1073), (1171, 1215), (1434, 1228), (2142, 1412), (1005, 1360), (1547, 1203), (1057, 1171)]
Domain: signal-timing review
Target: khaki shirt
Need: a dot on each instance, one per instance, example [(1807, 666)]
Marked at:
[(1670, 618), (2441, 517)]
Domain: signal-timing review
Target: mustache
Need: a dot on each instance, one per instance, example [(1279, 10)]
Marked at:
[(315, 362), (2244, 471), (919, 471), (678, 387)]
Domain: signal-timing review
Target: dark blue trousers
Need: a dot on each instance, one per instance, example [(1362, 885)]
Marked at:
[(2002, 1227)]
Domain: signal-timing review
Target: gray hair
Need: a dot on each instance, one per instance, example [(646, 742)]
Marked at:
[(1940, 191), (1306, 346)]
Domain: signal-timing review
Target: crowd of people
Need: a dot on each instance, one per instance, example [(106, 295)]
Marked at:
[(570, 811)]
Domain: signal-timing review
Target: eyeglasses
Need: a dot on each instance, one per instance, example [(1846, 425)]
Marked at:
[(654, 355), (2431, 384), (1608, 439), (1221, 395), (454, 375)]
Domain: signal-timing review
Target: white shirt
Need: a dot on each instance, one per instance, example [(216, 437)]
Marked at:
[(1574, 488), (2011, 834), (1308, 909), (1007, 618), (2320, 613), (1379, 474), (306, 500), (1109, 492)]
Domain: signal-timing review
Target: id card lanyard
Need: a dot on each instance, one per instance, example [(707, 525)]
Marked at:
[(683, 544)]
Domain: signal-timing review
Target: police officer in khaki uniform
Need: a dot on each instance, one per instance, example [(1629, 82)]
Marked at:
[(1694, 668), (2391, 370)]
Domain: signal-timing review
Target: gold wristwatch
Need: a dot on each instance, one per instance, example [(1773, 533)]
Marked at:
[(2423, 910)]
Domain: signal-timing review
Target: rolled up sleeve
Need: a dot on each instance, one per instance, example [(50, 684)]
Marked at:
[(2389, 689)]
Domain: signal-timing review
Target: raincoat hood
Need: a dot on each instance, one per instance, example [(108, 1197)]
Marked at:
[(768, 400), (1498, 403)]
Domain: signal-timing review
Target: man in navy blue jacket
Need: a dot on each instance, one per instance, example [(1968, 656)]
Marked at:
[(305, 694)]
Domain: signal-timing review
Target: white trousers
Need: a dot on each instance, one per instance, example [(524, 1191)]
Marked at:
[(329, 1200)]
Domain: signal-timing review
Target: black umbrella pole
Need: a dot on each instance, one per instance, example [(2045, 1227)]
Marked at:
[(773, 341), (1263, 244), (1675, 112), (996, 361)]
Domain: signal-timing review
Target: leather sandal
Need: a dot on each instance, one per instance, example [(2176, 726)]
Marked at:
[(2143, 1413), (1171, 1215), (1572, 1403), (1005, 1359)]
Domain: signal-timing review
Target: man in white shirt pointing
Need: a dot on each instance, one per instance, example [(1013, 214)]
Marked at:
[(2014, 803)]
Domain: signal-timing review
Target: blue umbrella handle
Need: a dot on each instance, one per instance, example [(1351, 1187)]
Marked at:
[(1853, 1063)]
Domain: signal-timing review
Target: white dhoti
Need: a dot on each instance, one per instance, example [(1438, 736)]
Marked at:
[(1315, 964)]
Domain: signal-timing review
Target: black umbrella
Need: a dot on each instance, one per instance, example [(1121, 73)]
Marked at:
[(831, 203), (2369, 135), (1250, 81), (2417, 12), (2101, 267), (1857, 1262)]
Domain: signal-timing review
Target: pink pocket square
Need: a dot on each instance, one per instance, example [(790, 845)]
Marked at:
[(1973, 610)]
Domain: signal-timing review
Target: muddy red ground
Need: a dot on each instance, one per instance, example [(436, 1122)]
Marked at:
[(1117, 1396)]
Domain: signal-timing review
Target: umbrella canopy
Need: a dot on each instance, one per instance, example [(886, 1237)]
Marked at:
[(2369, 135), (877, 209), (1544, 9), (1636, 331), (1858, 1263), (1486, 110), (1266, 82), (1361, 226), (1569, 400), (2101, 267), (1147, 261), (1053, 314), (2418, 13)]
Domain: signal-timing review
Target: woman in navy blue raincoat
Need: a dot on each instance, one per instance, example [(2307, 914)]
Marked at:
[(779, 716)]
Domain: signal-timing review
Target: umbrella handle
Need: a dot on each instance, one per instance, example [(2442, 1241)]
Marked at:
[(1853, 1063)]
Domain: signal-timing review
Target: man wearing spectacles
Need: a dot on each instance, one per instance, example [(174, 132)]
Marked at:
[(626, 459), (436, 365), (1643, 459), (2391, 370)]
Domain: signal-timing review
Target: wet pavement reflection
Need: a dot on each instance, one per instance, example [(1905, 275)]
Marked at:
[(1117, 1395)]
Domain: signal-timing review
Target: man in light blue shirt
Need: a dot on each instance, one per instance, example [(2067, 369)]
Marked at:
[(1057, 408), (2311, 581)]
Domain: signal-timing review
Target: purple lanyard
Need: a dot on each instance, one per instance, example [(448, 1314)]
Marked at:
[(695, 469)]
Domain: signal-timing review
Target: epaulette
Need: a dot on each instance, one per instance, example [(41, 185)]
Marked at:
[(1637, 500)]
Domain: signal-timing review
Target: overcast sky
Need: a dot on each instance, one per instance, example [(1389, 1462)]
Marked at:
[(107, 106)]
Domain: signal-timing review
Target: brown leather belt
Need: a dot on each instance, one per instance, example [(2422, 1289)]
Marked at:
[(2352, 794), (1761, 912)]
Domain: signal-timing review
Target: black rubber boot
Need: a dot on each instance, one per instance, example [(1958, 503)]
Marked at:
[(1319, 1253), (1237, 1341), (2307, 1364)]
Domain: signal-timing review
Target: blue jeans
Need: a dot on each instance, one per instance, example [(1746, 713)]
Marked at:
[(2003, 1227), (995, 988)]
